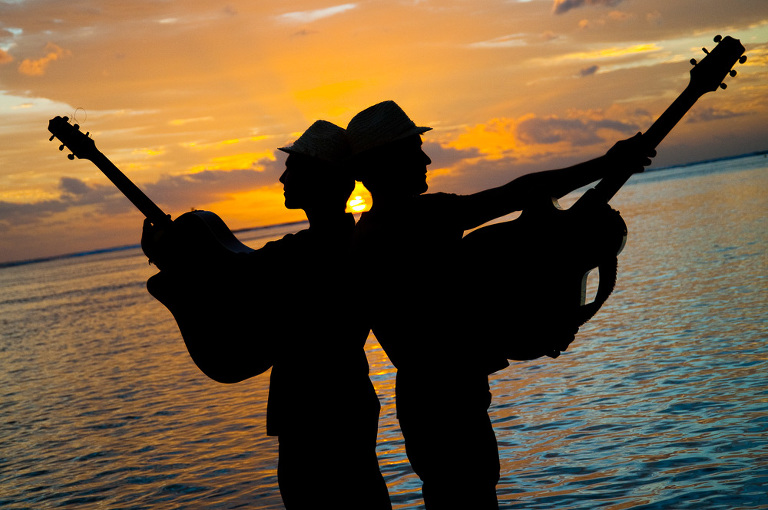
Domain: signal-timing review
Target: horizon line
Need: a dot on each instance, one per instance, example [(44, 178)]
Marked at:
[(112, 249)]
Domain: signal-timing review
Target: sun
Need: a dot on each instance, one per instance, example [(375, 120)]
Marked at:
[(360, 199), (356, 204)]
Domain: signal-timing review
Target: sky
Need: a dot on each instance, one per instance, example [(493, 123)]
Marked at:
[(190, 99)]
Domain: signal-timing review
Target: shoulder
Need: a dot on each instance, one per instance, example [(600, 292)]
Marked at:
[(287, 242), (450, 207), (440, 200)]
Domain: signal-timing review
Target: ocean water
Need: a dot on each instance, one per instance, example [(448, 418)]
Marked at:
[(661, 402)]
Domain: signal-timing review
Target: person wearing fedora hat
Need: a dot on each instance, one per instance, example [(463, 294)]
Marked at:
[(324, 340), (408, 247), (321, 405)]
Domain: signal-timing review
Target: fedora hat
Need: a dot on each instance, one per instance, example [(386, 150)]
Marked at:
[(322, 140), (379, 125)]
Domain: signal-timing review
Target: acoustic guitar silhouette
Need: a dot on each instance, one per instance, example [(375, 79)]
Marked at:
[(209, 304), (529, 275)]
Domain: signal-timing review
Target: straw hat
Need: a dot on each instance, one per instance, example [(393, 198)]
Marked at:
[(378, 125), (322, 140)]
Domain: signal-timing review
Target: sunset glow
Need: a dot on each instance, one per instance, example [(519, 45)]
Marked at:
[(192, 99)]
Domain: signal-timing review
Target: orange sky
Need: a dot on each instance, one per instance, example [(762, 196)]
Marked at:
[(190, 98)]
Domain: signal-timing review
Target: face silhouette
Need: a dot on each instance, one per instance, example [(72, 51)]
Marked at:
[(300, 181), (401, 167), (314, 185), (414, 164)]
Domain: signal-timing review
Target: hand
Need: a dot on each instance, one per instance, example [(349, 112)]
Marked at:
[(630, 155), (157, 243)]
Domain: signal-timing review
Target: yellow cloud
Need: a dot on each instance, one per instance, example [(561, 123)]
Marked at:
[(262, 206), (314, 15), (146, 151), (601, 54), (222, 143), (494, 138), (234, 161), (182, 122), (37, 67), (5, 57)]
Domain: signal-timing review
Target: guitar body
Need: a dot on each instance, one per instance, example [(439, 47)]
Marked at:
[(528, 276), (207, 288)]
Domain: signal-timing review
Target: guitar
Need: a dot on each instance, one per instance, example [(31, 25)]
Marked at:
[(548, 248), (207, 302)]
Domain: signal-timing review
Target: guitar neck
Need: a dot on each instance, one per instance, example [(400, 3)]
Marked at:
[(610, 185), (129, 189)]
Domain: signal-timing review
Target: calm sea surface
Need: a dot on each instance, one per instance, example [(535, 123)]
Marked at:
[(662, 402)]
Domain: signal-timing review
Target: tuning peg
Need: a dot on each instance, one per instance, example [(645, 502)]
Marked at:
[(70, 156), (76, 126), (742, 59), (61, 147), (732, 72), (693, 62), (718, 38), (65, 119), (723, 86), (705, 51), (51, 138)]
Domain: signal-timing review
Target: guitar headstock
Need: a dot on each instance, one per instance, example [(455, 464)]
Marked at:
[(72, 138), (708, 75)]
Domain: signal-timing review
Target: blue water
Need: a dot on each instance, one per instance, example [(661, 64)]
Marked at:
[(662, 401)]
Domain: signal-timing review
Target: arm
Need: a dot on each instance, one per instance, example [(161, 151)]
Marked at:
[(625, 156)]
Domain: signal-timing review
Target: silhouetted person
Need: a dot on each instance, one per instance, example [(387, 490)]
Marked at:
[(322, 405), (407, 247)]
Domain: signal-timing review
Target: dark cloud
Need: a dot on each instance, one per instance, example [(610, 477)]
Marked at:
[(447, 157), (193, 190), (172, 193), (578, 132), (589, 71), (710, 113), (12, 213), (562, 6), (71, 186), (477, 175)]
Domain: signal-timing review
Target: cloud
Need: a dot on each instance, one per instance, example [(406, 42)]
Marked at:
[(5, 57), (711, 113), (12, 213), (493, 139), (577, 132), (316, 14), (195, 190), (176, 193), (506, 41), (73, 192), (589, 71), (606, 53), (37, 67), (495, 152), (73, 187), (562, 6), (447, 157)]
